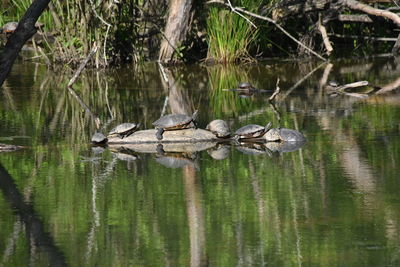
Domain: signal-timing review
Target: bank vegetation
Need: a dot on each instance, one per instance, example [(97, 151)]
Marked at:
[(212, 31)]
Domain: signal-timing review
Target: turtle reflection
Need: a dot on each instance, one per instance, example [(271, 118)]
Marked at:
[(253, 149), (175, 159), (220, 152), (125, 154)]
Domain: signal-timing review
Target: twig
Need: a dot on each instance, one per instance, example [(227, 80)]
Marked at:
[(276, 92), (234, 11), (82, 66), (238, 9)]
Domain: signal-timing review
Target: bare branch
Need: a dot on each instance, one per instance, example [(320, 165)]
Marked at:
[(82, 66), (325, 37)]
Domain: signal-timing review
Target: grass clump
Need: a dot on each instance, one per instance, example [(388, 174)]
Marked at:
[(229, 35)]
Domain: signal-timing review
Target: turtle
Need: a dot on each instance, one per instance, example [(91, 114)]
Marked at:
[(9, 27), (284, 135), (333, 83), (99, 138), (174, 122), (290, 135), (220, 128), (252, 131), (124, 130), (245, 86)]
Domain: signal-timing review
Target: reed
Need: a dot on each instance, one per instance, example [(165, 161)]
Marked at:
[(230, 35)]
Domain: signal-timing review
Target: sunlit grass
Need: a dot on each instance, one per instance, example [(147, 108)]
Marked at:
[(229, 35)]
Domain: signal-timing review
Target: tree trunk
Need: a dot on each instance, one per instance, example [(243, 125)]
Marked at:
[(25, 30), (176, 29)]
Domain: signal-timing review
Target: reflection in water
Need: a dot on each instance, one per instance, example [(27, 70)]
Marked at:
[(332, 202), (33, 225)]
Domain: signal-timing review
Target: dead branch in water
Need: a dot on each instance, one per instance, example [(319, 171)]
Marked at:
[(83, 65), (73, 80), (243, 11), (276, 92)]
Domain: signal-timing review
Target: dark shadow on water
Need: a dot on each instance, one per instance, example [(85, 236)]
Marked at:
[(33, 225)]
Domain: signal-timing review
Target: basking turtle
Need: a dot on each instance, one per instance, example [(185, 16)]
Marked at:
[(9, 27), (220, 128), (174, 122), (252, 131), (99, 138), (285, 135), (123, 130)]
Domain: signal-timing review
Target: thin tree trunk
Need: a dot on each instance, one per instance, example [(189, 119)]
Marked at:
[(176, 29), (25, 30)]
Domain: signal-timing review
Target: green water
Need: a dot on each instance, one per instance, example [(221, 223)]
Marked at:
[(334, 202)]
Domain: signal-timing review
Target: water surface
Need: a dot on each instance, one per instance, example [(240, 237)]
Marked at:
[(334, 202)]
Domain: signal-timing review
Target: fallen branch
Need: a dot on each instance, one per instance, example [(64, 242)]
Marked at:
[(354, 18), (383, 39), (389, 87), (82, 66), (350, 85), (238, 9), (371, 10)]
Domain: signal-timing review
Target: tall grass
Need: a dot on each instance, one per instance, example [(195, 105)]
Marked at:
[(230, 35)]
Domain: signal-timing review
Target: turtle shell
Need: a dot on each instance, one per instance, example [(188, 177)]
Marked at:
[(245, 85), (10, 27), (99, 138), (124, 129), (219, 127), (174, 121), (252, 131)]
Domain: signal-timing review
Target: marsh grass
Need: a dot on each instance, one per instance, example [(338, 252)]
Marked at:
[(230, 35)]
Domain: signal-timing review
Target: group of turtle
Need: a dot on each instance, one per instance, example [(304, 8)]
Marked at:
[(218, 127)]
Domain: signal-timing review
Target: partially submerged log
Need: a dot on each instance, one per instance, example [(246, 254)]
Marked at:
[(166, 147), (178, 136)]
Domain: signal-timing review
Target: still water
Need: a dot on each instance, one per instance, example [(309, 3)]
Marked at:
[(334, 202)]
